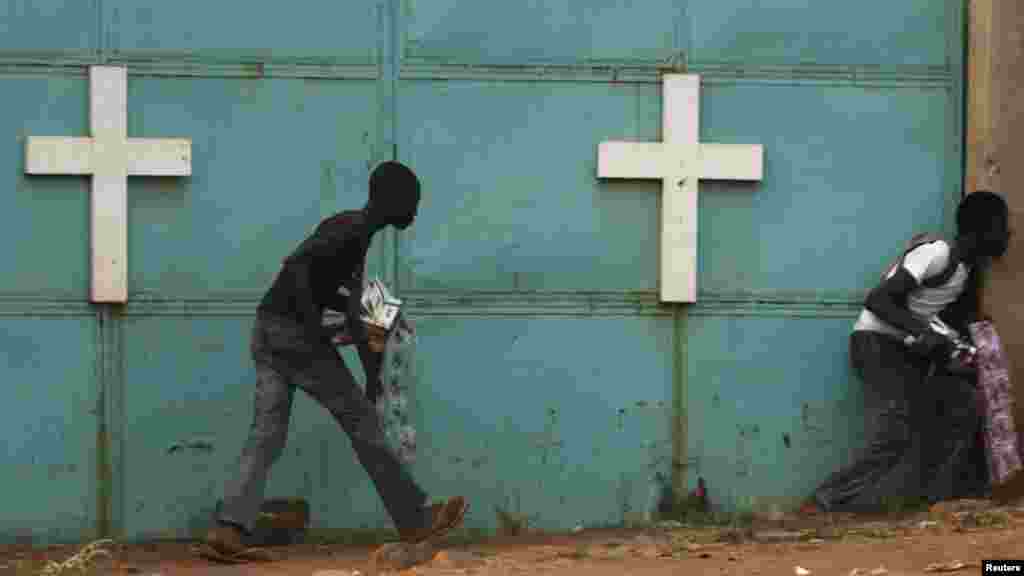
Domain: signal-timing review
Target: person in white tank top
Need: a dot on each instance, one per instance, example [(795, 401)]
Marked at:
[(926, 261), (922, 427)]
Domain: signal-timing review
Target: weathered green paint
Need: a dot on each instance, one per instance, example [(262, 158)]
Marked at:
[(103, 446), (49, 25), (278, 144), (516, 33), (763, 380), (872, 32), (49, 214), (540, 232), (550, 381), (301, 30), (543, 416), (50, 420)]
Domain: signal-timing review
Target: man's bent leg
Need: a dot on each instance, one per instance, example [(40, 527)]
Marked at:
[(952, 428), (267, 435), (890, 465), (329, 381)]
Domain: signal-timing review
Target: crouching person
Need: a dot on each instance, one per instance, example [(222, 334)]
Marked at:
[(923, 421)]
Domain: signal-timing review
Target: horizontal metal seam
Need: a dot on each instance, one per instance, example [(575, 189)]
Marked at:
[(712, 72), (75, 63), (474, 304), (258, 64)]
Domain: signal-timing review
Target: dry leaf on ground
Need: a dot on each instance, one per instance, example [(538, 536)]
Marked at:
[(945, 567)]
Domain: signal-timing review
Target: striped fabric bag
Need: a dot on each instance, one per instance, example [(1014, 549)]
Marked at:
[(1000, 431)]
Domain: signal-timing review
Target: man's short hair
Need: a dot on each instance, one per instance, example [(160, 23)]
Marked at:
[(975, 212), (393, 182)]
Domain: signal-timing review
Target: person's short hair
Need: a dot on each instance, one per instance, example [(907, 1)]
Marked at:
[(393, 183), (975, 212)]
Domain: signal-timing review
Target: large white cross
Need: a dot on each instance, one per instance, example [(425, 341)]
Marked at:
[(109, 156), (680, 161)]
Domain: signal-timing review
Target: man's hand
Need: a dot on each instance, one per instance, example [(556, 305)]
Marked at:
[(376, 338), (376, 345), (931, 344), (969, 371)]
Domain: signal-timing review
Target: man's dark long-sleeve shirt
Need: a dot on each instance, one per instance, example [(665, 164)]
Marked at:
[(333, 256)]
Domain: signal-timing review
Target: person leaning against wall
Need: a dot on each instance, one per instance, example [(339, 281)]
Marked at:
[(923, 420)]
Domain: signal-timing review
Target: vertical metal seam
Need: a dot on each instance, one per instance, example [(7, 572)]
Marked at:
[(395, 45), (957, 146), (684, 36), (386, 252), (680, 422), (116, 417), (691, 25), (680, 360), (102, 34), (102, 435), (101, 42), (964, 52)]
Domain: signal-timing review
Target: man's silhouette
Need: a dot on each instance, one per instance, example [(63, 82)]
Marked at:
[(291, 349)]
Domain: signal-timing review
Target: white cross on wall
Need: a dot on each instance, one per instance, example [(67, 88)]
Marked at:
[(109, 156), (680, 161)]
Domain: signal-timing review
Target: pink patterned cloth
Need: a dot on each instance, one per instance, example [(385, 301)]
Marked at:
[(1001, 441)]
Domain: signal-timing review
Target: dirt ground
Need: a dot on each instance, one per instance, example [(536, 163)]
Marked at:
[(952, 538)]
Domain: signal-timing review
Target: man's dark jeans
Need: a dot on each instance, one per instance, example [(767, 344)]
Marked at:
[(286, 359), (922, 433)]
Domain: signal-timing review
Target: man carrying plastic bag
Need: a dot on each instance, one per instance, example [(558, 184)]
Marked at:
[(292, 349), (394, 335)]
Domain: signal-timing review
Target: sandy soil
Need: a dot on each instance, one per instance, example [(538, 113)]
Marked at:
[(952, 538)]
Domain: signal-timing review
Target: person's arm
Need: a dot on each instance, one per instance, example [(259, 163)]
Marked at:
[(339, 303), (888, 300), (370, 358)]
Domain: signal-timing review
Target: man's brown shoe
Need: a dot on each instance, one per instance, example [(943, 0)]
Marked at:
[(442, 518), (809, 508), (225, 539)]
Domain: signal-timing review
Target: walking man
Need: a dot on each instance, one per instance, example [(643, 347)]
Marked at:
[(291, 349)]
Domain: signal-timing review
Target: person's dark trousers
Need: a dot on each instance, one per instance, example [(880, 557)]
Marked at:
[(286, 359)]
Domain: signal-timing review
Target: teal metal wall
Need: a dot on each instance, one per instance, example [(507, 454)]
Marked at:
[(550, 382)]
